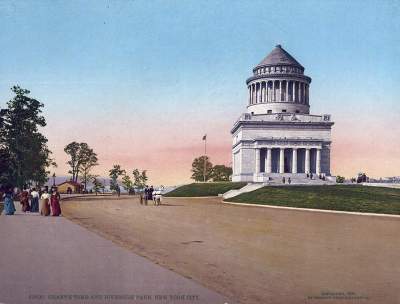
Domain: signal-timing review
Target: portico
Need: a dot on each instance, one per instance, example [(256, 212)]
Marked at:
[(287, 159)]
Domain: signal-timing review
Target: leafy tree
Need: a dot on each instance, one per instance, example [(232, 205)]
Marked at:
[(340, 179), (82, 160), (198, 168), (5, 157), (88, 159), (72, 149), (114, 173), (139, 178), (97, 185), (25, 157), (127, 183), (221, 173)]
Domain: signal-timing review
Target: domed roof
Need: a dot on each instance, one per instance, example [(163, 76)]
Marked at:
[(279, 56)]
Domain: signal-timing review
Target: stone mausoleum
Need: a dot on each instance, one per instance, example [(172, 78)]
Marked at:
[(277, 136)]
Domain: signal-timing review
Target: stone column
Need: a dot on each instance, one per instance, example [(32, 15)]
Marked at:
[(262, 92), (268, 161), (294, 161), (273, 91), (249, 94), (257, 161), (257, 93), (287, 90), (307, 94), (318, 163), (299, 93), (280, 91), (307, 164), (282, 160), (294, 91)]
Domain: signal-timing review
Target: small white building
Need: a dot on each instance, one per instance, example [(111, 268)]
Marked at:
[(277, 136)]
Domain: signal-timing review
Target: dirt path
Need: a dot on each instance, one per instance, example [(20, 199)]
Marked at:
[(257, 255)]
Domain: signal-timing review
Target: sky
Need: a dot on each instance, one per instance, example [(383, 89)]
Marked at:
[(142, 81)]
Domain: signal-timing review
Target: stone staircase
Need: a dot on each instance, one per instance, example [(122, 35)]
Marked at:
[(300, 181), (248, 188)]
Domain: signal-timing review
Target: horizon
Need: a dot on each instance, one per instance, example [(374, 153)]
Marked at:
[(142, 82)]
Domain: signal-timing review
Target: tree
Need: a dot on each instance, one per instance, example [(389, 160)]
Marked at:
[(72, 149), (88, 159), (198, 168), (139, 178), (221, 173), (127, 183), (114, 173), (97, 185), (82, 160), (340, 179), (24, 154)]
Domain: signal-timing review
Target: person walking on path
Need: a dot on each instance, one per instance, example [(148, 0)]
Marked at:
[(24, 200), (45, 206), (34, 200), (150, 192), (146, 194), (289, 181), (157, 197), (9, 207), (55, 204), (118, 190)]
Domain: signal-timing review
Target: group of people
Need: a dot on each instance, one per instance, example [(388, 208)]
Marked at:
[(320, 176), (151, 194), (29, 200)]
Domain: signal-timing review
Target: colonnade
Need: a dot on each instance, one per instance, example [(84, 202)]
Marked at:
[(278, 165), (279, 91)]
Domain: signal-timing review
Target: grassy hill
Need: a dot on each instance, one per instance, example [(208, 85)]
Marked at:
[(204, 189), (338, 197)]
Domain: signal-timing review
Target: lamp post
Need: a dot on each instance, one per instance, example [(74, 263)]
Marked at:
[(54, 179)]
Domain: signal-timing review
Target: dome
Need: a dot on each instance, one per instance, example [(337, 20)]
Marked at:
[(278, 85), (279, 56)]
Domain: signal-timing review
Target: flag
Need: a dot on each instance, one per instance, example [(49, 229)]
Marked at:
[(205, 137)]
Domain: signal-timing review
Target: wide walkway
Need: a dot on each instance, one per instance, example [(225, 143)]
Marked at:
[(52, 260), (257, 255)]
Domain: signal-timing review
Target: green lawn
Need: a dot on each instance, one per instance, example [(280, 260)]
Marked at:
[(338, 197), (204, 189)]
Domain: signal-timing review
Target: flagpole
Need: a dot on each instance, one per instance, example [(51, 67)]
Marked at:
[(205, 157)]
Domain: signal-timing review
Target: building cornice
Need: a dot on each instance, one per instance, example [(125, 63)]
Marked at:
[(279, 124), (271, 77), (275, 142)]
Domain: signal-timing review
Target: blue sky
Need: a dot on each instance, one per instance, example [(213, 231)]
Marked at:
[(120, 63)]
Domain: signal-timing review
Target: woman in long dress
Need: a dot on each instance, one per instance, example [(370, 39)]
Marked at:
[(34, 200), (45, 205), (9, 207), (24, 201), (55, 204)]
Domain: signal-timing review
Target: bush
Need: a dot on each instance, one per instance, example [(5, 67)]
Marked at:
[(340, 179)]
